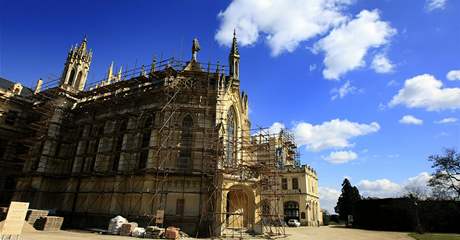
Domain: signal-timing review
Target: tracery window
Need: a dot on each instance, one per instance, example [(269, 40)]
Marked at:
[(231, 138), (185, 155), (122, 127), (145, 141)]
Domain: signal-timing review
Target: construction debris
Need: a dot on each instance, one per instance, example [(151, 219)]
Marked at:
[(154, 232), (127, 228), (34, 214), (49, 223), (138, 232), (115, 224), (172, 233)]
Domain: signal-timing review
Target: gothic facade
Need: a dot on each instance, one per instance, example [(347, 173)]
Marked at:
[(173, 136)]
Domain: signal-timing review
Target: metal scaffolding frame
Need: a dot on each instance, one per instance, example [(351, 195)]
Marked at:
[(257, 162)]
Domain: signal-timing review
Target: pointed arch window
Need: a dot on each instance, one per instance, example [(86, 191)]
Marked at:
[(98, 134), (122, 127), (71, 77), (146, 126), (185, 155), (231, 138), (78, 82)]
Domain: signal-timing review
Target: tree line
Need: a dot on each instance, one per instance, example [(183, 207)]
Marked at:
[(444, 184)]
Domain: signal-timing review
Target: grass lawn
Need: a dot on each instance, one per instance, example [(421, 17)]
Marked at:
[(435, 236)]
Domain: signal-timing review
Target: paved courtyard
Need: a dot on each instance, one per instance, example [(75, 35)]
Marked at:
[(314, 233)]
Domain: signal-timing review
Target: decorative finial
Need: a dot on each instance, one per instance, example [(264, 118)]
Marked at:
[(119, 73), (234, 51), (153, 66), (110, 73)]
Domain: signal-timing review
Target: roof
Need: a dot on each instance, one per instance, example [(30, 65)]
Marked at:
[(8, 84)]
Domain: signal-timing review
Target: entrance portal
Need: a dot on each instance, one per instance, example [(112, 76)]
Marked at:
[(240, 208), (291, 210)]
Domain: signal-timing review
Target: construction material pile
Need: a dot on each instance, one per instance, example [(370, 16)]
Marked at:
[(128, 228), (49, 223), (154, 232), (115, 224), (34, 214)]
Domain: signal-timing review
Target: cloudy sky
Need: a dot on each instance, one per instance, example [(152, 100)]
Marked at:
[(370, 88)]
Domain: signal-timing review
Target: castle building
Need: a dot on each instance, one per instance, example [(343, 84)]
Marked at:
[(173, 138)]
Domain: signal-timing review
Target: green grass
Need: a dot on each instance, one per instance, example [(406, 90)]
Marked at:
[(435, 236)]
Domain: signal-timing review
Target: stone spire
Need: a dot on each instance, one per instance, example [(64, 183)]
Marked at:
[(119, 73), (234, 51), (110, 73), (234, 59)]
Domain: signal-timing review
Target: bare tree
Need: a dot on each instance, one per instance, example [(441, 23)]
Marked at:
[(446, 177)]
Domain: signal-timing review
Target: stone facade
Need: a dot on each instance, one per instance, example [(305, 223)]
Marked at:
[(15, 105), (174, 136)]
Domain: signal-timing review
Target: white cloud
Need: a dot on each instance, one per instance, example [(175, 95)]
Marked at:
[(381, 64), (343, 91), (276, 127), (383, 188), (392, 83), (379, 188), (340, 157), (284, 23), (447, 120), (425, 91), (453, 75), (420, 180), (435, 4), (409, 119), (333, 134), (346, 46), (328, 198)]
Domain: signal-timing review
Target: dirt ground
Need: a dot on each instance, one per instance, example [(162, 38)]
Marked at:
[(314, 233)]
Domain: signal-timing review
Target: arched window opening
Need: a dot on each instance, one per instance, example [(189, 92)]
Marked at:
[(147, 125), (231, 138), (98, 133), (71, 77), (122, 126), (79, 76), (185, 154)]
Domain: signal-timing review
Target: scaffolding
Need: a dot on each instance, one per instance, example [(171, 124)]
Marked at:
[(94, 180)]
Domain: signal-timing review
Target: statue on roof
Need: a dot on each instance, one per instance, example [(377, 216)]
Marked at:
[(195, 48)]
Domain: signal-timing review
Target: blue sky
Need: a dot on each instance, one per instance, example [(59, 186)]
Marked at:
[(359, 82)]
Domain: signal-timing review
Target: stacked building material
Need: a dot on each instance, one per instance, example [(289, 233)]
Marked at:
[(154, 232), (172, 233), (49, 223), (127, 228), (34, 214)]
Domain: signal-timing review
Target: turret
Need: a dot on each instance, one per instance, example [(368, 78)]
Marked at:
[(234, 59), (76, 67)]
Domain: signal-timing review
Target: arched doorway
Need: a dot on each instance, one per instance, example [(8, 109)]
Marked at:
[(291, 210), (239, 208)]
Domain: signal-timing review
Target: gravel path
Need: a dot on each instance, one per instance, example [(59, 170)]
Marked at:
[(314, 233)]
